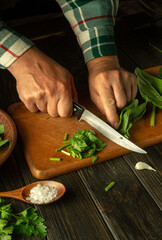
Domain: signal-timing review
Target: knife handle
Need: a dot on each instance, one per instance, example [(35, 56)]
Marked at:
[(77, 109)]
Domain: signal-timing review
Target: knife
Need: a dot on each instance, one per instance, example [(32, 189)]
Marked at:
[(104, 128)]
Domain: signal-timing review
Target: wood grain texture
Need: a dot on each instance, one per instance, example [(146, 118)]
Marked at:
[(127, 208), (149, 179)]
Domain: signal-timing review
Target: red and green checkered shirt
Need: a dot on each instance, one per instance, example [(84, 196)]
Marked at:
[(92, 22)]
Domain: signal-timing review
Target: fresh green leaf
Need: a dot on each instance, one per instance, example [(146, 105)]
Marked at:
[(3, 223), (94, 159), (41, 230), (2, 127), (26, 222), (30, 224), (5, 237), (150, 87), (129, 115), (5, 211), (160, 73), (3, 142), (2, 201)]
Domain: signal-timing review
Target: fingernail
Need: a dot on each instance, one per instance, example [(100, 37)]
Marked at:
[(116, 124)]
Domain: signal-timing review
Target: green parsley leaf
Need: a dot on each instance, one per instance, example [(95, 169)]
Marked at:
[(5, 211), (5, 237), (29, 223)]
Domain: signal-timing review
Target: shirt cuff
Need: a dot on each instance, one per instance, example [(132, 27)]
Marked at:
[(97, 42), (12, 46)]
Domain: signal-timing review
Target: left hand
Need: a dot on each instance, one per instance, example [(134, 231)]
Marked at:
[(111, 87)]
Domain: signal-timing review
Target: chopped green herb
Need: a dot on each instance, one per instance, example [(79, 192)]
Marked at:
[(64, 146), (48, 118), (55, 159), (107, 188), (152, 122), (65, 136), (65, 152), (113, 168), (94, 158), (84, 143)]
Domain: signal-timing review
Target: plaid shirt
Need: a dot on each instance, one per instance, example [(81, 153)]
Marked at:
[(92, 22)]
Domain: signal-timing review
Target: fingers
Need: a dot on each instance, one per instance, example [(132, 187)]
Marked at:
[(133, 87), (73, 89), (112, 91), (109, 104), (52, 107), (31, 106)]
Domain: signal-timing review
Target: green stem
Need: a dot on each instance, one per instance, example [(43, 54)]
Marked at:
[(107, 188), (153, 113), (65, 137), (55, 159), (158, 49), (60, 148)]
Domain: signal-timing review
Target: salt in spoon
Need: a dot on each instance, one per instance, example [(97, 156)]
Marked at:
[(22, 193)]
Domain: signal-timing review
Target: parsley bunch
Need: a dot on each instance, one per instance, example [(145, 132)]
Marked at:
[(26, 222)]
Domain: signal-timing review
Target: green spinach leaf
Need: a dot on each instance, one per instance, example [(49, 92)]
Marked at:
[(129, 115), (150, 87)]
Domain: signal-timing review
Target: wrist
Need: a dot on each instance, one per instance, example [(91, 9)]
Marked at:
[(22, 61), (110, 61)]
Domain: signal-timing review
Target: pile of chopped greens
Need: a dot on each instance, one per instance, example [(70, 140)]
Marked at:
[(3, 141), (26, 223), (83, 144)]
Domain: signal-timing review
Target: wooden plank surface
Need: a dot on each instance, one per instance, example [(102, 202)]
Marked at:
[(128, 209)]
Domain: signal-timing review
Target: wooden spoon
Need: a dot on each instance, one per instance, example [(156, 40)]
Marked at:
[(22, 193)]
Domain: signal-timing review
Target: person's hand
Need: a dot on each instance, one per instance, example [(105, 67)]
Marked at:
[(43, 84), (110, 86)]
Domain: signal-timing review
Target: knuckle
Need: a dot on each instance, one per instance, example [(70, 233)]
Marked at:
[(110, 101), (102, 77), (65, 114), (117, 75)]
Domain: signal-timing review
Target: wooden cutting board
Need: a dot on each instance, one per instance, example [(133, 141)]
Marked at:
[(42, 135)]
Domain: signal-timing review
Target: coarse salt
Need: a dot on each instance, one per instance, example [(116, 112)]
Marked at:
[(42, 194)]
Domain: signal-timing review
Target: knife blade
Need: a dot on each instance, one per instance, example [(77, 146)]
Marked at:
[(104, 128)]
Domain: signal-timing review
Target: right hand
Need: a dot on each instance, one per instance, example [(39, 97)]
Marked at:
[(43, 84)]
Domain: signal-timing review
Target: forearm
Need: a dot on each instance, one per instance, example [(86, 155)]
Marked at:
[(12, 45), (93, 23)]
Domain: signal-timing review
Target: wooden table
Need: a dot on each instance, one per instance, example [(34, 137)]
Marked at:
[(132, 208)]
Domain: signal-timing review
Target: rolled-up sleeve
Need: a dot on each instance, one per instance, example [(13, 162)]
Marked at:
[(12, 45), (93, 24)]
